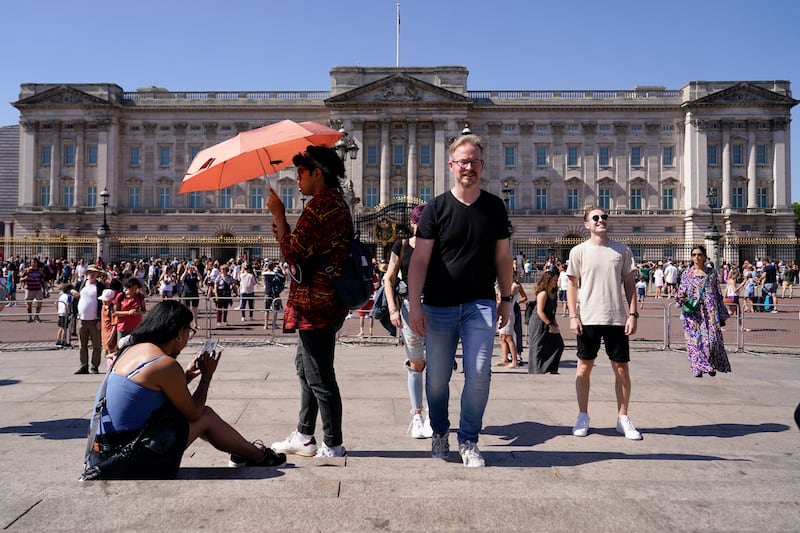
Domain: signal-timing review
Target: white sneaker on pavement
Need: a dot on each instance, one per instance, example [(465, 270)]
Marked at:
[(581, 428), (331, 451), (417, 427), (427, 430), (626, 427), (298, 444), (471, 455)]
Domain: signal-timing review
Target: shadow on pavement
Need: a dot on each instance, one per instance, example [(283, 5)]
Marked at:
[(68, 428), (726, 431)]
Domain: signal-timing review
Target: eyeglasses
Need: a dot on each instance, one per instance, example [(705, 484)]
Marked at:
[(596, 218), (192, 332), (467, 163)]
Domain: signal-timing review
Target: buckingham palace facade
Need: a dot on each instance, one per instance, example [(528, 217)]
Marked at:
[(663, 162)]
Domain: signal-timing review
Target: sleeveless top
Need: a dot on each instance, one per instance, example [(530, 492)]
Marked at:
[(128, 404)]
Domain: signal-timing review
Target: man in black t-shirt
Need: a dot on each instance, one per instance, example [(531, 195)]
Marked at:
[(462, 247), (769, 277)]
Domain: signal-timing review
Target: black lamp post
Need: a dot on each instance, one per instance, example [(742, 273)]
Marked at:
[(712, 204), (104, 230), (346, 146), (712, 234)]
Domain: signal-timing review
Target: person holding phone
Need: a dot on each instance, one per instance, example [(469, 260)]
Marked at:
[(147, 375)]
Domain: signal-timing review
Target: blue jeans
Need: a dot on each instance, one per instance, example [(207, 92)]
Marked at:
[(474, 324)]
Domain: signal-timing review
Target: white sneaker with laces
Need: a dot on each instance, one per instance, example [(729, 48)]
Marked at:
[(427, 430), (471, 455), (581, 428), (626, 427), (417, 427), (298, 444), (331, 451)]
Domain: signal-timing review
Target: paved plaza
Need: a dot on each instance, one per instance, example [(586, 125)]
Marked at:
[(719, 454)]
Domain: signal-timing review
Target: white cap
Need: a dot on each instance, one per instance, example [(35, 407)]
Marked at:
[(107, 295)]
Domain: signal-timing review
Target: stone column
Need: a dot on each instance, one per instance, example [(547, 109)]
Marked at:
[(695, 182), (55, 163), (780, 162), (80, 149), (440, 158), (104, 158), (494, 157), (7, 234), (752, 182), (386, 154), (411, 183), (726, 164), (28, 161)]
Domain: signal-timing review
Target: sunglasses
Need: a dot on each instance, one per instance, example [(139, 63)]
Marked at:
[(596, 218)]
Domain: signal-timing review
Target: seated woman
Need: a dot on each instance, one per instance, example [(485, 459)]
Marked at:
[(147, 376)]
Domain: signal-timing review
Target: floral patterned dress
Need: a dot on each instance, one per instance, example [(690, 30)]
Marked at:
[(704, 344)]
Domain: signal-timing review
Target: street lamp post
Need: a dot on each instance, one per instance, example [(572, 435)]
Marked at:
[(103, 231), (344, 147), (712, 234)]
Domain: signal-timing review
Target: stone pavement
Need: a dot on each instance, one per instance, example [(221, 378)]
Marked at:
[(719, 454)]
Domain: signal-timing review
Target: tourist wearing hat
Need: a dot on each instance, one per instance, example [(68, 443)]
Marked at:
[(88, 293)]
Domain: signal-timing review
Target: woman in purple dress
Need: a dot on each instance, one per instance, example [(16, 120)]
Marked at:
[(704, 344)]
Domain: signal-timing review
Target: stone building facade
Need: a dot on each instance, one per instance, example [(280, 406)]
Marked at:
[(656, 157)]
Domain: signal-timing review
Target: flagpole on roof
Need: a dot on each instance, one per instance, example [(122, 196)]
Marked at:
[(397, 46)]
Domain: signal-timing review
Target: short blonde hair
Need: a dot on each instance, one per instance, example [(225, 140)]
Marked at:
[(466, 139)]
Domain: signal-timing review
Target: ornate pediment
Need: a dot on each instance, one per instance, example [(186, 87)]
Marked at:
[(399, 89), (61, 95), (744, 94)]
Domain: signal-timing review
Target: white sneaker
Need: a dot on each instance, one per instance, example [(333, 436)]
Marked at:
[(417, 427), (298, 444), (581, 428), (471, 455), (331, 451), (427, 430), (626, 427)]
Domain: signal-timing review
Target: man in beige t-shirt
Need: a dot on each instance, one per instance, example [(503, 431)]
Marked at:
[(601, 297)]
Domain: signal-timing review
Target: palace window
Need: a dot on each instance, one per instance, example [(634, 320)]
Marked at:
[(713, 158), (541, 198), (636, 156), (225, 198), (163, 158), (425, 154), (541, 156), (91, 154), (372, 154), (636, 198), (133, 156), (399, 155), (133, 197), (510, 153), (737, 197), (604, 156), (762, 197), (68, 195), (371, 196), (44, 195), (287, 196), (69, 155), (737, 157), (194, 200), (164, 195), (572, 156), (668, 156), (761, 154), (604, 198), (573, 199), (45, 155), (668, 198), (256, 198), (91, 196)]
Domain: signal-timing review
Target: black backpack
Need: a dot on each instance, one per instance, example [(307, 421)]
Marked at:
[(354, 286)]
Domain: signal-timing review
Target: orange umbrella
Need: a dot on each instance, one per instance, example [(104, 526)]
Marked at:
[(254, 153)]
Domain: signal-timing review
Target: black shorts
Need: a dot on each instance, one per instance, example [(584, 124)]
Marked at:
[(62, 321), (614, 338), (190, 300)]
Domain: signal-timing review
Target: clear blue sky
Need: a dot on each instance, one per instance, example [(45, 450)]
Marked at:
[(292, 45)]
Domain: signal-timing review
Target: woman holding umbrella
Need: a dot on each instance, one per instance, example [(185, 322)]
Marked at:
[(323, 232)]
